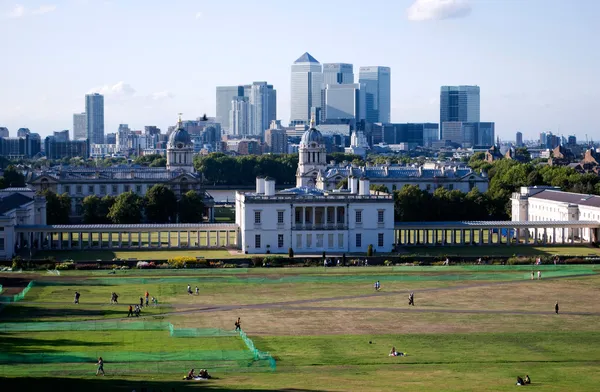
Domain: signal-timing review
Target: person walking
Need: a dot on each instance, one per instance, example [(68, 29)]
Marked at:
[(130, 314), (197, 291), (556, 307), (539, 274), (100, 366), (238, 325), (146, 296), (77, 295), (532, 275)]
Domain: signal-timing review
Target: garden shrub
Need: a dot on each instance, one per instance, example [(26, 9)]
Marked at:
[(187, 262), (17, 263), (87, 266)]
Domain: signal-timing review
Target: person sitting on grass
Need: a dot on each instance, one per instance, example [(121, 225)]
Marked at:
[(394, 353), (527, 379), (190, 375), (204, 374), (520, 381)]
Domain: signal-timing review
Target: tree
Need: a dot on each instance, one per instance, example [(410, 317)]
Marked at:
[(160, 162), (411, 204), (342, 184), (58, 207), (161, 204), (95, 210), (12, 178), (379, 188), (127, 209), (191, 208)]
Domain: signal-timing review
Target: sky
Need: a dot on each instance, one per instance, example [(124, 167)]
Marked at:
[(537, 61)]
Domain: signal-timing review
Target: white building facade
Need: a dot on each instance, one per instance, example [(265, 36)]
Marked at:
[(534, 204), (309, 219)]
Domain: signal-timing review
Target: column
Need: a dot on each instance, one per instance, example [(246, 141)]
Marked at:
[(139, 239), (110, 244), (480, 239), (314, 220), (58, 235), (129, 235), (218, 238), (100, 240), (335, 214), (572, 236), (518, 235), (159, 239), (508, 236), (303, 218), (89, 240), (535, 236), (188, 238), (120, 239), (227, 233), (69, 239), (527, 236), (198, 239), (178, 238), (545, 238), (80, 242), (553, 235), (444, 237)]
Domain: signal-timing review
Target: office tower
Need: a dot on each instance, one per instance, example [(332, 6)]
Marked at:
[(79, 126), (94, 110), (342, 102), (151, 130), (22, 132), (61, 136), (224, 96), (276, 139), (123, 136), (572, 140), (543, 138), (519, 139), (263, 107), (239, 116), (484, 134), (307, 83), (110, 138), (338, 73), (4, 132), (459, 103), (66, 149), (377, 84)]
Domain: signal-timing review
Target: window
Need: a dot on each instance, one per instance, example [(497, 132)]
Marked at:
[(126, 188), (1, 243), (78, 188), (257, 217), (138, 189), (91, 189), (280, 240), (257, 241), (320, 238), (358, 240), (298, 215), (280, 217), (380, 216), (428, 187), (299, 241), (380, 239), (102, 189), (358, 216), (330, 240), (114, 190), (67, 189), (308, 240), (450, 187), (340, 241)]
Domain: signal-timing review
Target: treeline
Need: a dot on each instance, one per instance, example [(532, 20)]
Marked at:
[(160, 205), (11, 178)]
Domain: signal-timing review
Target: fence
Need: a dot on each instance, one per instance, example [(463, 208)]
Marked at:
[(17, 297)]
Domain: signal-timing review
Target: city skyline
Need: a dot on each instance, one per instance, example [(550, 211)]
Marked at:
[(528, 84)]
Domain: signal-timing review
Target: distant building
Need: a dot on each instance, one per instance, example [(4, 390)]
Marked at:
[(61, 136), (358, 144), (225, 94), (459, 104), (343, 102), (249, 147), (468, 134), (80, 126), (57, 149), (20, 147), (263, 107), (519, 139), (276, 139), (337, 73), (111, 138), (4, 132), (22, 132), (239, 116), (94, 110), (306, 86), (377, 86)]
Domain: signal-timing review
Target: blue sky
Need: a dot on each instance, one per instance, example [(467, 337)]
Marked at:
[(537, 61)]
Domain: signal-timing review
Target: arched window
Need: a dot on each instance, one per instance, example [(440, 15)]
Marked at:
[(45, 184)]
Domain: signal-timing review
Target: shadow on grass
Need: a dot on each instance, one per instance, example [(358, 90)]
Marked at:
[(25, 313), (10, 344), (108, 384)]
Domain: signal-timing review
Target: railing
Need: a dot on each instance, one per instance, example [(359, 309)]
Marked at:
[(329, 226)]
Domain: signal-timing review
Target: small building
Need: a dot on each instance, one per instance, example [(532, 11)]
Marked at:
[(493, 154)]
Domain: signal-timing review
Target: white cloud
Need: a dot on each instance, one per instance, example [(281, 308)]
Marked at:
[(422, 10), (17, 12), (120, 89), (198, 15), (44, 9), (161, 95)]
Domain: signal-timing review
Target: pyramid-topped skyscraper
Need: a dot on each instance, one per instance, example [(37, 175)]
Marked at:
[(307, 83)]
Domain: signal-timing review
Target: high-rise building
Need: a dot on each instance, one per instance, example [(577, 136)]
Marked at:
[(61, 136), (276, 138), (224, 96), (572, 140), (377, 85), (459, 103), (22, 132), (469, 134), (94, 110), (338, 73), (66, 149), (342, 102), (306, 87), (4, 132), (519, 139), (263, 107), (20, 147), (79, 126), (239, 116), (110, 138)]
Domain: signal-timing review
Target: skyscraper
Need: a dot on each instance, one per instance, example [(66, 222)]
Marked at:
[(459, 103), (377, 83), (94, 110), (79, 126), (307, 83), (263, 107), (239, 116), (224, 96), (519, 139), (338, 73), (342, 102)]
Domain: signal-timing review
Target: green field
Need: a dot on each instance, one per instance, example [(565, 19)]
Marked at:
[(473, 328)]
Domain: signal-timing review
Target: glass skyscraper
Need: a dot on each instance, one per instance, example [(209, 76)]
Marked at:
[(79, 126), (377, 84), (225, 95), (459, 103), (338, 73), (263, 107), (94, 110), (306, 87)]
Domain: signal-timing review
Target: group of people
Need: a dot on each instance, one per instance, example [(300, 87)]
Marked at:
[(394, 353), (114, 298), (134, 311), (525, 381), (539, 275), (202, 375), (377, 286), (189, 290)]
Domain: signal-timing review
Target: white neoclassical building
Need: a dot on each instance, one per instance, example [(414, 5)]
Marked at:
[(310, 219), (78, 182), (549, 204)]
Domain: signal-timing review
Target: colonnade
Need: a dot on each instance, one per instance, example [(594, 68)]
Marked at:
[(309, 218)]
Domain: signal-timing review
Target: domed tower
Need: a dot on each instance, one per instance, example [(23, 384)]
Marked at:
[(312, 157), (180, 150)]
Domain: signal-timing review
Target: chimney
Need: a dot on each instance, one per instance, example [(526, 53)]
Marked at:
[(260, 185), (269, 186), (363, 189), (353, 185)]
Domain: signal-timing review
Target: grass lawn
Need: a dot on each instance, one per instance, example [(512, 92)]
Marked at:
[(326, 328), (131, 254)]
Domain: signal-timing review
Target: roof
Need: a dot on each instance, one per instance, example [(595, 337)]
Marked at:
[(399, 172), (494, 224), (148, 226), (115, 174), (312, 135), (568, 197), (303, 190), (13, 201), (306, 58)]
